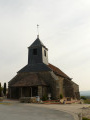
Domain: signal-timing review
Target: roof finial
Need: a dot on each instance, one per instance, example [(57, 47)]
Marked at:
[(37, 31)]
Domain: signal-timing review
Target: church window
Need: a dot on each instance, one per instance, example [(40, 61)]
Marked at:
[(35, 51), (44, 53)]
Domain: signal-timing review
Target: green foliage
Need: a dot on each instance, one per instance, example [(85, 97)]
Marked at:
[(0, 89), (44, 98), (61, 96), (85, 118), (4, 89), (83, 97), (87, 101)]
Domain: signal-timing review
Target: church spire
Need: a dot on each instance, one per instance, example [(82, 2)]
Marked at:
[(37, 31)]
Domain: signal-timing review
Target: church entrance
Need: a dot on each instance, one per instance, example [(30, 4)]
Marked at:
[(29, 91), (34, 91)]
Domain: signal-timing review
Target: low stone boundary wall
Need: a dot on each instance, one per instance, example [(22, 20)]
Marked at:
[(1, 99), (28, 100)]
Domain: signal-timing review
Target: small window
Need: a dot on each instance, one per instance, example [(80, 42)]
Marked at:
[(44, 53), (34, 51)]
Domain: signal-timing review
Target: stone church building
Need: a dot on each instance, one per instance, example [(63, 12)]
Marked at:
[(40, 78)]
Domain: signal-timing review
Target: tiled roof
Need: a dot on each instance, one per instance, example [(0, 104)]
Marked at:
[(58, 71)]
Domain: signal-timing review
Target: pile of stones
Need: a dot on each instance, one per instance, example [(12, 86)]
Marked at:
[(86, 112)]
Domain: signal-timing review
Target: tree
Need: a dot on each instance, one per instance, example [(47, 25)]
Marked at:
[(83, 97), (4, 89), (0, 90)]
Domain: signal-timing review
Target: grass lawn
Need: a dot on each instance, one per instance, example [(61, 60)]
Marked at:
[(87, 101), (85, 119)]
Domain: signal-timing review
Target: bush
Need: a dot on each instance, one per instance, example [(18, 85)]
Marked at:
[(44, 98), (85, 118), (83, 97), (61, 96), (0, 90), (87, 101), (4, 89)]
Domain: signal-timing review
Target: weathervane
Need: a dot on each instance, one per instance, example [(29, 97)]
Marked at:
[(37, 31)]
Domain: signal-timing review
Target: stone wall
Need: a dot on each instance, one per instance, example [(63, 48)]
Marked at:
[(44, 91), (68, 88), (51, 83), (40, 91), (71, 89), (55, 85), (61, 90), (76, 90)]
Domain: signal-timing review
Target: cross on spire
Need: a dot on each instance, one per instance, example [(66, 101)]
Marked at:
[(37, 31)]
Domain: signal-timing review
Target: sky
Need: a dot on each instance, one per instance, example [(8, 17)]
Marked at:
[(64, 28)]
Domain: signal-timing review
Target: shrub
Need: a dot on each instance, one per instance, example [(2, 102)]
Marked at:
[(83, 97), (44, 98), (87, 101), (61, 96), (4, 89), (0, 90), (85, 118)]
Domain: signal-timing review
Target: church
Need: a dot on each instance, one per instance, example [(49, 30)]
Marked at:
[(40, 78)]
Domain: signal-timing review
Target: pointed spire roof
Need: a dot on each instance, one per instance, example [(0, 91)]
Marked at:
[(37, 43)]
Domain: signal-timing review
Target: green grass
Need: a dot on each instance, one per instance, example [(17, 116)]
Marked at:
[(85, 118), (87, 101)]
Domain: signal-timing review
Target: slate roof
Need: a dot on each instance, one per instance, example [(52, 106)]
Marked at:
[(27, 80), (33, 78), (58, 71), (36, 43), (39, 67)]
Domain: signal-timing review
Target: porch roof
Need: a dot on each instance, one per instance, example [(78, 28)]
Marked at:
[(29, 80)]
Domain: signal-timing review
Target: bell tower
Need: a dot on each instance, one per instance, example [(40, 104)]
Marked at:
[(37, 52)]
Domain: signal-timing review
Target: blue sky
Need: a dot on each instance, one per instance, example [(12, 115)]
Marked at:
[(64, 29)]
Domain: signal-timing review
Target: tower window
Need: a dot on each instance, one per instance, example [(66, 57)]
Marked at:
[(44, 53), (34, 51)]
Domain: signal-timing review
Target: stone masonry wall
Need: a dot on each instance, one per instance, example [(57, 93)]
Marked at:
[(61, 90), (68, 88), (76, 90), (71, 89), (56, 85), (40, 91), (51, 83)]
